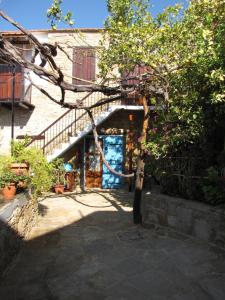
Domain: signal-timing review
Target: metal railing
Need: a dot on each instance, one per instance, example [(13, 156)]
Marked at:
[(70, 124)]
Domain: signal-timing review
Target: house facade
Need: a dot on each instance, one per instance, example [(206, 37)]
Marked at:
[(60, 132)]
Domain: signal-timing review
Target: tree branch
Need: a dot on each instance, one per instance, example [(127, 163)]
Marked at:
[(96, 138)]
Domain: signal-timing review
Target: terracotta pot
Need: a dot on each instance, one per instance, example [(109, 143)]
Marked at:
[(59, 188), (9, 191), (20, 168), (70, 181), (22, 184)]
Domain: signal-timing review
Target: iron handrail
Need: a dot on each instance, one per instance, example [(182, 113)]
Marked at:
[(62, 128), (56, 121)]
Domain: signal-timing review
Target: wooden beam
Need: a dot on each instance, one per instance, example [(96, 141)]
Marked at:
[(33, 137)]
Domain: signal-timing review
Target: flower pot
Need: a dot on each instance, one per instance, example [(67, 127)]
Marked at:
[(59, 188), (9, 191), (20, 168), (22, 184)]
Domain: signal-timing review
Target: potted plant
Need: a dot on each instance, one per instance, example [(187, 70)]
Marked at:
[(40, 172), (59, 176), (19, 166), (22, 181), (8, 182)]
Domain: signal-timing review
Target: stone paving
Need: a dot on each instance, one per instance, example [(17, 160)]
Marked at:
[(85, 246)]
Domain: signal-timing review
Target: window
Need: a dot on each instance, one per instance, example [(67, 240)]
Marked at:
[(6, 75), (84, 65)]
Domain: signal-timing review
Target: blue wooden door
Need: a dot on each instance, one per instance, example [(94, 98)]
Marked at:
[(113, 151)]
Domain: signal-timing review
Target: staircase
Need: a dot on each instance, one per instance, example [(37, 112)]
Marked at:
[(73, 125)]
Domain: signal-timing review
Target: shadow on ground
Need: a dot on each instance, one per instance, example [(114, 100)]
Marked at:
[(102, 255)]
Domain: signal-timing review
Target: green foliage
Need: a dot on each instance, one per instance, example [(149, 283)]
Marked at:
[(24, 178), (5, 162), (40, 170), (55, 14), (18, 147), (185, 49), (7, 178), (213, 187), (6, 175), (58, 171)]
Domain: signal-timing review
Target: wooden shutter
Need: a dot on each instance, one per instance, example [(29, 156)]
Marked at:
[(133, 99), (84, 65), (6, 82), (138, 70)]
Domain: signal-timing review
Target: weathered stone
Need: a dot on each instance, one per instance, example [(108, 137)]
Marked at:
[(28, 122), (184, 219), (155, 202), (85, 247), (16, 220), (153, 218), (202, 230), (172, 208), (172, 221), (189, 217), (162, 218)]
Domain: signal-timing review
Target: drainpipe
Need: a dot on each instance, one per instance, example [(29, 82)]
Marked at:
[(13, 104)]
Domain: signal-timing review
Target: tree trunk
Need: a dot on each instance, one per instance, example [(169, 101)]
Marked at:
[(137, 216)]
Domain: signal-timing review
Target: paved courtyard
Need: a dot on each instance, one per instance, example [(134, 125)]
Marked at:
[(85, 246)]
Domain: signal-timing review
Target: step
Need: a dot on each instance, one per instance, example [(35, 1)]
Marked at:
[(81, 133)]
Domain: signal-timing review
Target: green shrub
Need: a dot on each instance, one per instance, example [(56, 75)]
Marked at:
[(7, 178), (40, 170), (58, 171), (213, 187)]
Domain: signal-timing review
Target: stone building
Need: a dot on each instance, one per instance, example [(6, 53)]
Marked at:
[(60, 132)]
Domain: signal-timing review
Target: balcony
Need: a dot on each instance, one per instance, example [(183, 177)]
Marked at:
[(22, 88), (130, 79)]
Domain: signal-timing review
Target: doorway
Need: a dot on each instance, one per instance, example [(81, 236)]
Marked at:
[(96, 173)]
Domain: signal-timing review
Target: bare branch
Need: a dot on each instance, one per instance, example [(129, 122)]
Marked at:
[(79, 103), (64, 51)]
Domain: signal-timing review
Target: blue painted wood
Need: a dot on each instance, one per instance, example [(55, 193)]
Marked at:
[(113, 151)]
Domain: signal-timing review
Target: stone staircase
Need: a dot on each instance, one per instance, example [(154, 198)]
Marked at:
[(72, 126)]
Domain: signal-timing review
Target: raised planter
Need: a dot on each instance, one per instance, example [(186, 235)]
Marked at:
[(196, 219), (17, 218), (20, 168)]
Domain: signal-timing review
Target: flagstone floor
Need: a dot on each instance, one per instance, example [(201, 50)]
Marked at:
[(85, 246)]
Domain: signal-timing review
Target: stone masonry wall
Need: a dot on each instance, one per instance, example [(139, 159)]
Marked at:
[(16, 220), (192, 218), (45, 111)]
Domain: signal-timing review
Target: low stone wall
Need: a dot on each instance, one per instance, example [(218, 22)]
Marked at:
[(192, 218), (16, 219)]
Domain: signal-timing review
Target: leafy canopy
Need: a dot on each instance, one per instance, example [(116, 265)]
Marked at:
[(55, 14), (185, 47)]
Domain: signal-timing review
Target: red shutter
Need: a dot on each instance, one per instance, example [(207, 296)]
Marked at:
[(6, 82), (83, 65), (133, 98), (138, 70)]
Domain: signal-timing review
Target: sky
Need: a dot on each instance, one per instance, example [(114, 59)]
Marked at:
[(86, 13)]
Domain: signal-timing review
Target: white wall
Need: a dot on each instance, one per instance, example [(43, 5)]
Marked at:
[(45, 111)]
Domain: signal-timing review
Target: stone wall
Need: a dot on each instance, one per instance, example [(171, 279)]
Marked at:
[(46, 111), (16, 220), (192, 218)]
